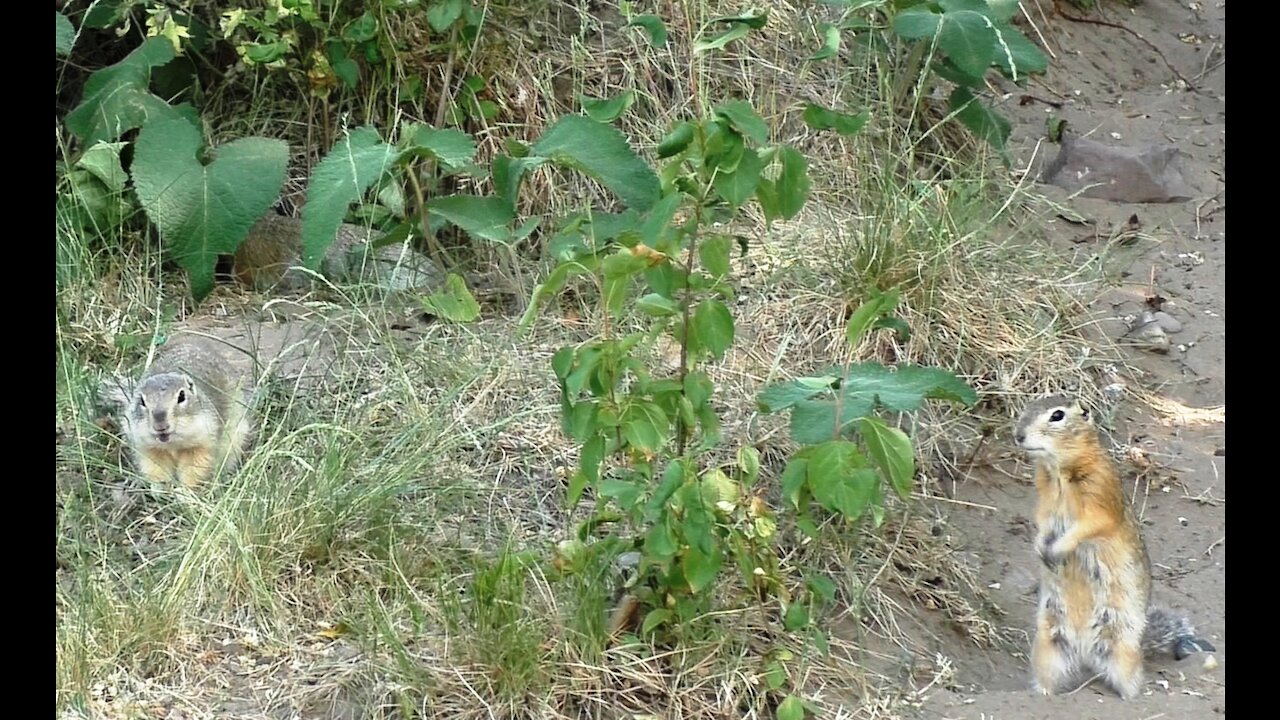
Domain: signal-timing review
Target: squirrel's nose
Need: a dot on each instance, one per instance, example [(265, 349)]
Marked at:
[(1020, 437)]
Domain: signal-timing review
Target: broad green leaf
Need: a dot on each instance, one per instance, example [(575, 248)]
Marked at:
[(654, 28), (744, 118), (454, 303), (676, 140), (601, 152), (830, 42), (713, 252), (653, 619), (265, 53), (660, 542), (103, 162), (796, 617), (897, 325), (362, 29), (655, 225), (698, 388), (982, 7), (116, 99), (64, 34), (822, 586), (781, 396), (562, 362), (709, 422), (697, 522), (645, 426), (722, 146), (775, 675), (509, 172), (453, 148), (735, 32), (581, 421), (820, 118), (968, 40), (1016, 56), (672, 479), (794, 477), (749, 463), (985, 122), (619, 268), (442, 14), (916, 23), (623, 263), (203, 211), (700, 568), (607, 110), (737, 186), (481, 216), (839, 479), (754, 19), (947, 70), (814, 421), (355, 164), (713, 325), (793, 184), (906, 388), (867, 314), (343, 66), (589, 469), (624, 492), (891, 450), (654, 305), (577, 483), (792, 708)]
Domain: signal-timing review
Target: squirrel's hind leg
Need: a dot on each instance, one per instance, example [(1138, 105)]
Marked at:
[(1052, 663)]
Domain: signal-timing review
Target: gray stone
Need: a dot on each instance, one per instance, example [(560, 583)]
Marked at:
[(1149, 173)]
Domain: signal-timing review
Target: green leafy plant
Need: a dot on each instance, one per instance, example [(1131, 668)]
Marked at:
[(202, 201), (643, 432), (850, 454), (958, 41)]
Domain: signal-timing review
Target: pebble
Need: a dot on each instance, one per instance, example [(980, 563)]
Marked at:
[(1150, 335)]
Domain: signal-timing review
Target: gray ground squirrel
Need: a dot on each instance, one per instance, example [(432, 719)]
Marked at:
[(1095, 582), (189, 415)]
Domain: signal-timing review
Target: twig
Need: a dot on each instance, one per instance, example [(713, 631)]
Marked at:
[(966, 503)]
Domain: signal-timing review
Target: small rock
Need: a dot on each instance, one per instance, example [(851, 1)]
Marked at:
[(1148, 173), (1148, 333), (1168, 323)]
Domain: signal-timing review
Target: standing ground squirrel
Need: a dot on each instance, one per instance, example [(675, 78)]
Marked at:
[(1096, 581), (189, 414)]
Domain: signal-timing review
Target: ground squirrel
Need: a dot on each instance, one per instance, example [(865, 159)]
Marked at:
[(1095, 582), (189, 415)]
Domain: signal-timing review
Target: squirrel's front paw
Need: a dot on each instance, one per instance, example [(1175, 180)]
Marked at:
[(1049, 551)]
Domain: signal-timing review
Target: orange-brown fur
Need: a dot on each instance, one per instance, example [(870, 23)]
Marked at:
[(1096, 577)]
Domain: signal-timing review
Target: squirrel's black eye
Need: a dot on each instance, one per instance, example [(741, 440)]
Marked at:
[(182, 396), (1057, 416)]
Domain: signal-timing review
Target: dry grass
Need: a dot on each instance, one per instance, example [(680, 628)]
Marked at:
[(380, 554)]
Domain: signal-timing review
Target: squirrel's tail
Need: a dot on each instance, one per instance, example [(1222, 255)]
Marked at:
[(1170, 633)]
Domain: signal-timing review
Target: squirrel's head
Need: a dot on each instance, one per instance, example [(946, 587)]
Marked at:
[(160, 401), (1048, 424)]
